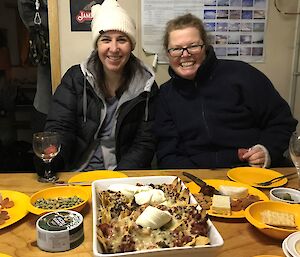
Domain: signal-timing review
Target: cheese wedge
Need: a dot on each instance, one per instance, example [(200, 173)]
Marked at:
[(280, 219), (234, 192), (221, 204)]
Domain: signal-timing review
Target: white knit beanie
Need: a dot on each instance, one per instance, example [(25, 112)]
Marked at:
[(111, 16)]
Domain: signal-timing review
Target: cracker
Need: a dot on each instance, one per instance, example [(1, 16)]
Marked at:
[(280, 219), (297, 247)]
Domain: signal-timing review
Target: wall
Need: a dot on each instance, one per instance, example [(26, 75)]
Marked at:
[(279, 39), (80, 42)]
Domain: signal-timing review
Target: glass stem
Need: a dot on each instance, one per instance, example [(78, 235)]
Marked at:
[(48, 172), (298, 173)]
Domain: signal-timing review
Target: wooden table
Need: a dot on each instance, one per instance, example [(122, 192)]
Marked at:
[(240, 237)]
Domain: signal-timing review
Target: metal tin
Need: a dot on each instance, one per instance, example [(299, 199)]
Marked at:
[(59, 231)]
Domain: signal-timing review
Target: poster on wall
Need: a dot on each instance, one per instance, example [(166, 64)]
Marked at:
[(236, 28), (81, 14)]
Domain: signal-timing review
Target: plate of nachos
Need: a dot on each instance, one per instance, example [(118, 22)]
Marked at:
[(155, 215)]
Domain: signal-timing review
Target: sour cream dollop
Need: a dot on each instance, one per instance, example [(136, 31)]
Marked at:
[(153, 218), (153, 196), (128, 190)]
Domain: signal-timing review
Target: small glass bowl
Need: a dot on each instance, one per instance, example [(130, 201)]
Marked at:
[(282, 194)]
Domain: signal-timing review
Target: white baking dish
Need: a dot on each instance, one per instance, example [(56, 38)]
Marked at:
[(206, 250)]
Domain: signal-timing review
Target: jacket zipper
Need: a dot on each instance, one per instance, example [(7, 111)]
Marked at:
[(203, 113), (118, 125)]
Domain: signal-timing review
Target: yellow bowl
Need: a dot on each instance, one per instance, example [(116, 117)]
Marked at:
[(60, 191), (253, 215)]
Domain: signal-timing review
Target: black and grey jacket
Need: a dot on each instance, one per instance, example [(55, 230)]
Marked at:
[(77, 114)]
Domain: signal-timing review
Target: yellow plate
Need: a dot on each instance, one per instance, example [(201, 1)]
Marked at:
[(252, 176), (59, 191), (19, 210), (90, 176), (194, 189), (253, 215), (4, 255)]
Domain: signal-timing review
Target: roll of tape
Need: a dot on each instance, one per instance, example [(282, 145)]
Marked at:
[(59, 231)]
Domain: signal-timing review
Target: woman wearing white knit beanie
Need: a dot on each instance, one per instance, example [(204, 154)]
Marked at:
[(111, 16), (103, 108)]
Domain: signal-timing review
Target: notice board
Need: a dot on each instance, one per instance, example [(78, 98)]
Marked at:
[(236, 28)]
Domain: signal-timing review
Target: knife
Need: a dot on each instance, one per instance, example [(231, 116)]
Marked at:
[(197, 180), (79, 183), (204, 188)]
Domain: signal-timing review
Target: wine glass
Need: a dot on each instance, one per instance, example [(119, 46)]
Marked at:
[(294, 149), (46, 145)]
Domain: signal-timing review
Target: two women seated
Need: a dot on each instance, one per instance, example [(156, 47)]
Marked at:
[(212, 113)]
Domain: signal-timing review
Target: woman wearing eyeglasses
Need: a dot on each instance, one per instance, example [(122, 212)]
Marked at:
[(216, 113)]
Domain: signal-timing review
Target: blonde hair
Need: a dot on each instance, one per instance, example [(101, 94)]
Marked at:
[(182, 22)]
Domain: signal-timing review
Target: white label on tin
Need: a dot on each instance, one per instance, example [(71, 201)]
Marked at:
[(50, 242)]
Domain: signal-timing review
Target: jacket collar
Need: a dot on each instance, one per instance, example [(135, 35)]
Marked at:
[(142, 82)]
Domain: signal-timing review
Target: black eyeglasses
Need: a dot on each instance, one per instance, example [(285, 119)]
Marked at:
[(178, 51)]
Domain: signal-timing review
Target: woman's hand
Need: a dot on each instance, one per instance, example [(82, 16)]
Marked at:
[(257, 156)]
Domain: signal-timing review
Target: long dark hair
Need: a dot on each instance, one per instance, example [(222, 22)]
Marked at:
[(132, 66)]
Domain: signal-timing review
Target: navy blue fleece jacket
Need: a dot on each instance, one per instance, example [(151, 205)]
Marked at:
[(201, 123)]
